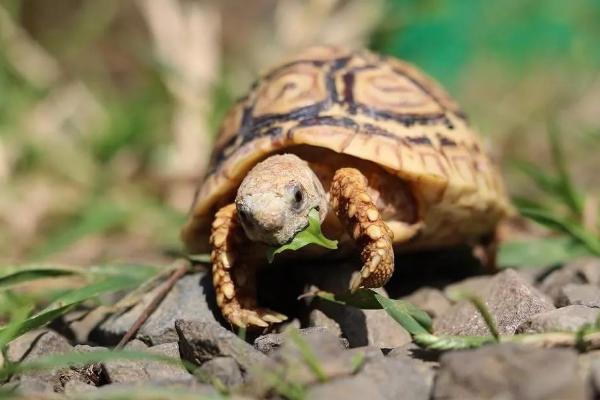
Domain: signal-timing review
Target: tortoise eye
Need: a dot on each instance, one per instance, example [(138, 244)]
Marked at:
[(298, 201)]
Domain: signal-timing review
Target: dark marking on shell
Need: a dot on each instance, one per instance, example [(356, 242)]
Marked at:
[(330, 77), (349, 92), (276, 71), (330, 121), (407, 120), (376, 130), (420, 140), (298, 114), (445, 141)]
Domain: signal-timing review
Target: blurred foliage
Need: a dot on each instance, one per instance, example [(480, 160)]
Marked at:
[(444, 37), (563, 208)]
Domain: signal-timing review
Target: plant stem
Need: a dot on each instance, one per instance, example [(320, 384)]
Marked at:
[(179, 272)]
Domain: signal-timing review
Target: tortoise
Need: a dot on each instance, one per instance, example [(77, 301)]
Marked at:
[(377, 147)]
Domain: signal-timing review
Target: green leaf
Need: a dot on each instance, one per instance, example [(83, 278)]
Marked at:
[(367, 299), (414, 323), (64, 304), (27, 275), (310, 235), (539, 252)]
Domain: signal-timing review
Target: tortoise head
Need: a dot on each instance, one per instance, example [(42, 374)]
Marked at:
[(275, 197)]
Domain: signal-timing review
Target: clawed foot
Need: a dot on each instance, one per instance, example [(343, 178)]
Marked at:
[(255, 318)]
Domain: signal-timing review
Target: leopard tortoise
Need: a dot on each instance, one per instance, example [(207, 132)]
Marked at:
[(379, 148)]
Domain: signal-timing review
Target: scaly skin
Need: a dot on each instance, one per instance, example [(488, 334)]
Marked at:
[(234, 276), (357, 212), (235, 280)]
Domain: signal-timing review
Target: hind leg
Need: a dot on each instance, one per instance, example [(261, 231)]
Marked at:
[(235, 279)]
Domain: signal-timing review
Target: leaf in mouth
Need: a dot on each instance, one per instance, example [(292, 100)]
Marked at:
[(310, 235)]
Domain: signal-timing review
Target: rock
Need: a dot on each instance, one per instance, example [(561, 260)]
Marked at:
[(400, 378), (225, 369), (367, 353), (585, 270), (294, 323), (318, 318), (474, 284), (143, 371), (37, 345), (188, 299), (18, 348), (201, 341), (80, 376), (579, 294), (365, 327), (272, 341), (352, 387), (510, 372), (430, 300), (566, 319), (79, 324), (423, 359), (324, 347), (187, 389), (75, 388), (595, 375), (510, 299), (534, 275)]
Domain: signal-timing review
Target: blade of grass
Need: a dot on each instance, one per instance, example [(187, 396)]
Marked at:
[(403, 316), (566, 187), (308, 355), (65, 303), (576, 231), (368, 299), (546, 182), (444, 343), (75, 358), (28, 275), (200, 258), (362, 298), (539, 252), (483, 311)]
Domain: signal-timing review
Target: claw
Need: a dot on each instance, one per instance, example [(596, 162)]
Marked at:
[(253, 319), (355, 281), (282, 317), (275, 319)]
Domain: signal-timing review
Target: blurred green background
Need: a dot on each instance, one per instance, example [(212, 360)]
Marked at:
[(108, 108)]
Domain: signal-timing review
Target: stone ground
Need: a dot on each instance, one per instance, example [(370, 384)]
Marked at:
[(352, 353)]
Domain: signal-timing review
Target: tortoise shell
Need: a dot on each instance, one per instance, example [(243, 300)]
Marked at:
[(368, 106)]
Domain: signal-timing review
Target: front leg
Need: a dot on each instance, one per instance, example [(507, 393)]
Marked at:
[(357, 212), (235, 279)]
